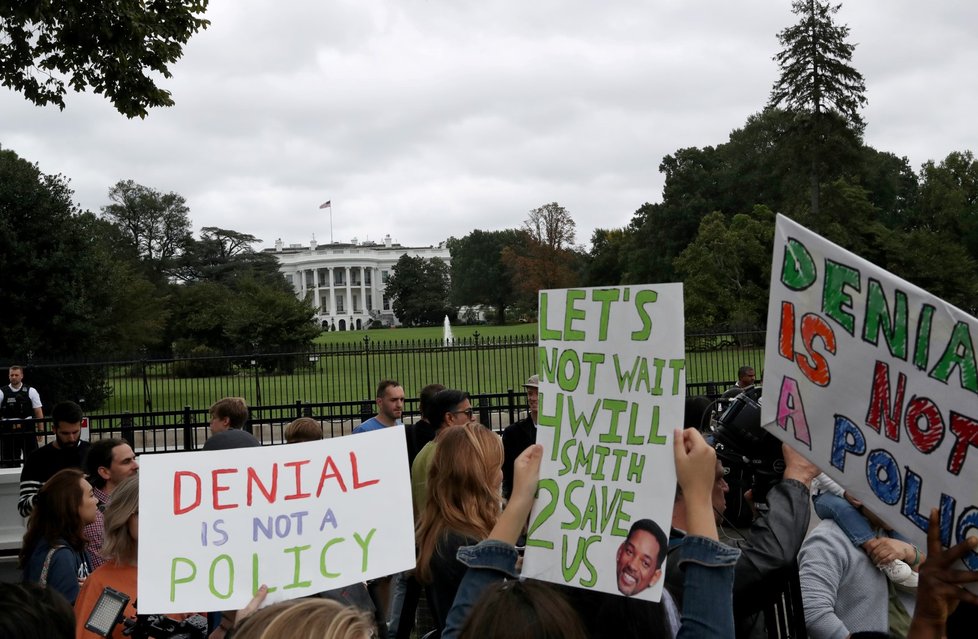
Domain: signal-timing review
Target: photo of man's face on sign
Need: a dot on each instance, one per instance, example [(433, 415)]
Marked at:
[(640, 556)]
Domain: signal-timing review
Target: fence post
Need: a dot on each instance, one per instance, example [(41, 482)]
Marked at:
[(511, 398), (478, 368), (147, 394), (366, 357), (254, 364), (128, 430), (188, 430)]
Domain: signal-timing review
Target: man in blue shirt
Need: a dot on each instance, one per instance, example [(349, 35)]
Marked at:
[(390, 405)]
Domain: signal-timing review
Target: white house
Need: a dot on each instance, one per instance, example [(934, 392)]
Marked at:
[(346, 282)]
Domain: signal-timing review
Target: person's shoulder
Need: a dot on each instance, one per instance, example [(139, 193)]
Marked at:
[(518, 427)]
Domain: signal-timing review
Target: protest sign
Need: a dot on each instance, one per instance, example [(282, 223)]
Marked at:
[(612, 388), (300, 518), (874, 380)]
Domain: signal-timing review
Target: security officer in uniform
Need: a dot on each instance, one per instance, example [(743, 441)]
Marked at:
[(20, 405)]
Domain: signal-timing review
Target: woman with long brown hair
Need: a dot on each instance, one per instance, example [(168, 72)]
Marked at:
[(464, 501), (53, 551)]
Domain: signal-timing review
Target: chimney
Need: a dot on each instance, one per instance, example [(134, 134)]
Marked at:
[(278, 245), (387, 240)]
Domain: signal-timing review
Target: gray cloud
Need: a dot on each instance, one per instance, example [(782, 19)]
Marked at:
[(428, 118)]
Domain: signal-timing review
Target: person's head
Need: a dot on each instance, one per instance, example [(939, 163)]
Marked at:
[(464, 484), (312, 618), (449, 407), (304, 429), (122, 523), (390, 401), (108, 462), (640, 556), (62, 508), (30, 611), (523, 610), (15, 374), (697, 412), (745, 376), (718, 499), (66, 418), (427, 394), (532, 387), (228, 413)]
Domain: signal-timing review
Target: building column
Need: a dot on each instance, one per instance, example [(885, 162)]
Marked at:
[(349, 298), (315, 290), (363, 293), (332, 296)]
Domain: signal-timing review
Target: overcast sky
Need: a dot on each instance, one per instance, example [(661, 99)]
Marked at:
[(430, 118)]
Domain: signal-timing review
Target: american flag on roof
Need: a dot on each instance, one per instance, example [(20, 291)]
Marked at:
[(326, 205)]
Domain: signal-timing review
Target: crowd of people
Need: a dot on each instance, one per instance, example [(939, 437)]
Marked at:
[(472, 491)]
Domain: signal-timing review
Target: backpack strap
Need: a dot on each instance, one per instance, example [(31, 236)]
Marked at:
[(47, 565)]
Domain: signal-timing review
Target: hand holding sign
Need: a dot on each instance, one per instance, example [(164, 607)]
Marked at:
[(696, 463)]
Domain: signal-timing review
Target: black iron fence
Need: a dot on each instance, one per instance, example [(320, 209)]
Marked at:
[(161, 403), (349, 373)]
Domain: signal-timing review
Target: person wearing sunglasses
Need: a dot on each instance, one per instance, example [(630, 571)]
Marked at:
[(448, 408)]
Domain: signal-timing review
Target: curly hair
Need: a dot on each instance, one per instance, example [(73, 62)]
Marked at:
[(463, 494), (56, 514)]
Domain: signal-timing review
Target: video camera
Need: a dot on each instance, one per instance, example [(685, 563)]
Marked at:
[(751, 456), (108, 613)]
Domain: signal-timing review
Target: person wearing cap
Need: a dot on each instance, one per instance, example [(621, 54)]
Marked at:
[(520, 435)]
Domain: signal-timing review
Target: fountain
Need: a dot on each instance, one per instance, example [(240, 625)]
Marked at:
[(447, 335)]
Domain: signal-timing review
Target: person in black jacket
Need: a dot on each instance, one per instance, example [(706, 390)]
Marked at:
[(520, 435)]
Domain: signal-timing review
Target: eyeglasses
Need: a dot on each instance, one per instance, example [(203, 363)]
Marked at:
[(468, 412)]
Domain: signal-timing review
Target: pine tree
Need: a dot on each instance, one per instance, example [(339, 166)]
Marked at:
[(819, 85)]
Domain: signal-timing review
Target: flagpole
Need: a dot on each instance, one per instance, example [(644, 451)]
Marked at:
[(328, 204)]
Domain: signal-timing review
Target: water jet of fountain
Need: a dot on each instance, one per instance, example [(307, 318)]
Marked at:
[(447, 333)]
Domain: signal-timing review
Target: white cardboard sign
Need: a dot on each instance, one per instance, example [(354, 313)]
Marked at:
[(874, 380), (612, 388), (300, 518)]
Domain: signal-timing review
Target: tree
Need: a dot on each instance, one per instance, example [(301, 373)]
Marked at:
[(548, 259), (480, 274), (819, 86), (157, 224), (419, 290), (67, 293), (949, 199), (726, 271), (230, 298), (606, 265), (112, 48)]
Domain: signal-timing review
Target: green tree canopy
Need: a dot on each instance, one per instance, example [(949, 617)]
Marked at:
[(820, 87), (68, 293), (480, 274), (157, 224), (118, 49), (419, 290)]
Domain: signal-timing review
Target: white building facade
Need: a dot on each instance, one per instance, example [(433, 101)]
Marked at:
[(346, 283)]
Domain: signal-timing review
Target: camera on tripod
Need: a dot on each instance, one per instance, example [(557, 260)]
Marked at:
[(751, 456)]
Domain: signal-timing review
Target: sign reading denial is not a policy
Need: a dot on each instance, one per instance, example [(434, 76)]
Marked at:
[(875, 381), (300, 518), (612, 388)]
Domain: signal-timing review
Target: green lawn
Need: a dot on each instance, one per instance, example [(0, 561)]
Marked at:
[(348, 369)]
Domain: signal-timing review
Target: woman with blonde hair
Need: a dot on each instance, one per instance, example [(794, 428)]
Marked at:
[(119, 550), (464, 502), (307, 619)]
